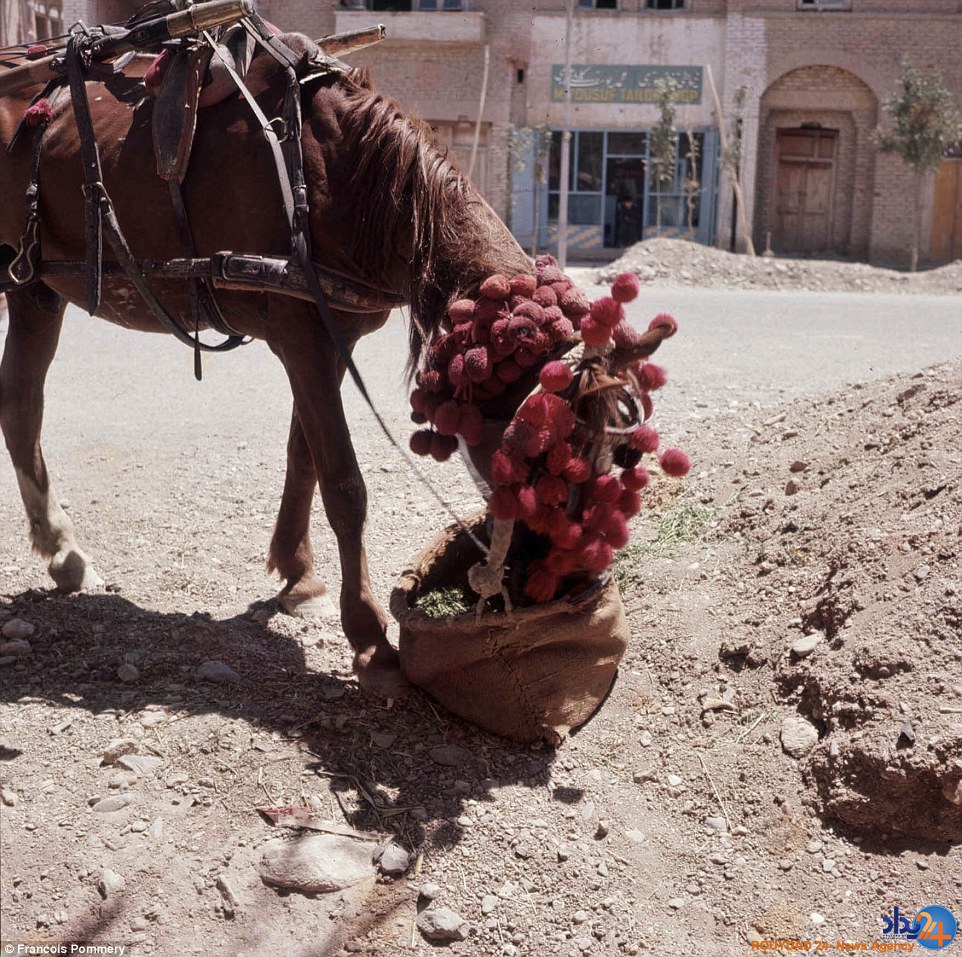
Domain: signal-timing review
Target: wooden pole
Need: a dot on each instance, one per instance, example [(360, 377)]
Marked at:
[(565, 171)]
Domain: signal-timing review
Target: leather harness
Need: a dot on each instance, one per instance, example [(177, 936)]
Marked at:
[(295, 274)]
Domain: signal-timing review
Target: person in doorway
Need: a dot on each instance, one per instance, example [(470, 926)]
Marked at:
[(629, 220)]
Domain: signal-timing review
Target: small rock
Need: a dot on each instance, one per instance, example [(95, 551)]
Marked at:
[(816, 918), (394, 860), (450, 755), (922, 572), (636, 837), (792, 487), (430, 890), (580, 916), (522, 851), (139, 763), (317, 864), (798, 736), (8, 797), (828, 865), (17, 629), (674, 780), (676, 903), (602, 830), (442, 923), (217, 672), (128, 673), (803, 647), (488, 903), (813, 847), (231, 903), (110, 883), (798, 466), (156, 830), (18, 648), (906, 738), (117, 749), (716, 824), (116, 803)]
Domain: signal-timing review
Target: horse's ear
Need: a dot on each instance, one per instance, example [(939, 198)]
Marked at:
[(661, 328)]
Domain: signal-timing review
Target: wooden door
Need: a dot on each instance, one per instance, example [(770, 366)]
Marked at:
[(804, 189), (946, 242)]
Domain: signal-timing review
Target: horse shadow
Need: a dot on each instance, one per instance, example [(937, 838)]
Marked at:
[(406, 768)]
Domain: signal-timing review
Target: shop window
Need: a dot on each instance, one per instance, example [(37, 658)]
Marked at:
[(599, 4), (399, 6), (823, 4), (48, 18), (665, 4)]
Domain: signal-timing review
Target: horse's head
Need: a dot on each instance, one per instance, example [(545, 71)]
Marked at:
[(546, 392)]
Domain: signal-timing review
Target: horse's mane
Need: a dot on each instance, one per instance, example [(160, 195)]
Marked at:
[(418, 192)]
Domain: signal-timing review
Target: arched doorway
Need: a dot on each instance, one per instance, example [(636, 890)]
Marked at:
[(816, 164)]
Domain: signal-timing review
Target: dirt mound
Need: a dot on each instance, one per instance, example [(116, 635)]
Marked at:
[(676, 262), (858, 543)]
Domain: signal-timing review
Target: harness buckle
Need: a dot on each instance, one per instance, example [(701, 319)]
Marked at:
[(285, 129), (24, 266)]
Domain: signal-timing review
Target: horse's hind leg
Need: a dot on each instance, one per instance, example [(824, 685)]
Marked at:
[(36, 315)]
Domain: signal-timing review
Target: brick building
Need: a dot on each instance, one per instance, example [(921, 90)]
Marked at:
[(488, 75)]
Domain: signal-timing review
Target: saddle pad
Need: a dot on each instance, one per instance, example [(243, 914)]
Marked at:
[(175, 111)]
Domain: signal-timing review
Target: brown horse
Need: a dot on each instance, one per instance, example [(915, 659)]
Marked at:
[(387, 209)]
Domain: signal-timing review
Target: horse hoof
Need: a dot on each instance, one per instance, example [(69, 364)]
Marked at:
[(307, 606), (379, 673), (72, 571)]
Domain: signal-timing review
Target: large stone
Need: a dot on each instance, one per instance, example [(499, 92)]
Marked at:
[(442, 923), (318, 864), (798, 736), (394, 861)]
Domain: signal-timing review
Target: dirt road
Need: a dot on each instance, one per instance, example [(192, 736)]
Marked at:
[(659, 828)]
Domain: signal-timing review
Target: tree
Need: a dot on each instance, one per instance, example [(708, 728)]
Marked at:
[(731, 151), (926, 123), (663, 140)]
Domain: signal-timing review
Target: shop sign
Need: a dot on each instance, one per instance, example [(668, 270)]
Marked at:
[(591, 83)]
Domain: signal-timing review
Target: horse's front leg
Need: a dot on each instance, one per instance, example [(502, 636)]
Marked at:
[(292, 554), (36, 315), (312, 368)]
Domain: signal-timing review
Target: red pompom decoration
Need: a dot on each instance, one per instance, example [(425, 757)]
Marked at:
[(616, 530), (442, 446), (530, 310), (561, 418), (644, 438), (490, 310), (549, 273), (506, 469), (606, 488), (577, 470), (526, 356), (495, 287), (664, 319), (36, 50), (596, 555), (559, 455), (561, 330), (625, 336), (650, 376), (456, 374), (420, 443), (430, 380), (541, 584), (555, 376), (635, 479), (674, 462), (527, 502), (522, 285), (594, 333), (448, 418), (575, 303), (570, 538), (552, 490), (629, 503), (462, 311), (477, 364), (534, 411), (503, 504), (545, 296), (417, 400), (39, 113), (626, 287), (508, 371), (471, 426), (561, 561), (419, 418), (607, 312)]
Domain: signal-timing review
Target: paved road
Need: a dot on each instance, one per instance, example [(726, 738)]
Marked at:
[(133, 396)]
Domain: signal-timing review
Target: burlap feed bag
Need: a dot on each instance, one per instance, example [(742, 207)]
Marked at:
[(530, 676)]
